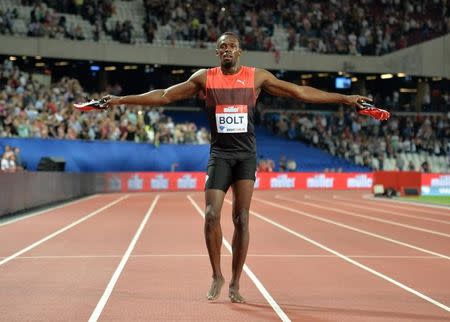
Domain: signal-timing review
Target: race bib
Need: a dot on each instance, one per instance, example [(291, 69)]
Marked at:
[(231, 118)]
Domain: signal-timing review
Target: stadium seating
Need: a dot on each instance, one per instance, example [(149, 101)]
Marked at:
[(297, 26)]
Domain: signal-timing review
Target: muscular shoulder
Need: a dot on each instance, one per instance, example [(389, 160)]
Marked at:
[(261, 76), (199, 77)]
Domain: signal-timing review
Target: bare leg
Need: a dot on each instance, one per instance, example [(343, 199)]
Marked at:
[(242, 195), (213, 237)]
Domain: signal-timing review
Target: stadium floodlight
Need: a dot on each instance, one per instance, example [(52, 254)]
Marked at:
[(95, 68), (386, 76), (408, 90)]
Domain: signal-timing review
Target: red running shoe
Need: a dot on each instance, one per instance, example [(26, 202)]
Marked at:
[(375, 112), (91, 105)]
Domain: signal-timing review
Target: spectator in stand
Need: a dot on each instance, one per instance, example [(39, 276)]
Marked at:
[(18, 159), (282, 164), (425, 167), (291, 165), (7, 163)]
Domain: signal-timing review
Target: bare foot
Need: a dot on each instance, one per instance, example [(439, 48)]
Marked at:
[(234, 295), (215, 289)]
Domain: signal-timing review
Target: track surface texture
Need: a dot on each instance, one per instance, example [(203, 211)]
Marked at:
[(314, 256)]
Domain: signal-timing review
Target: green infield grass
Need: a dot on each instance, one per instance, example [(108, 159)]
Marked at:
[(437, 200)]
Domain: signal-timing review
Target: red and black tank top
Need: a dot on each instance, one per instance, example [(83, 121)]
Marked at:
[(230, 107)]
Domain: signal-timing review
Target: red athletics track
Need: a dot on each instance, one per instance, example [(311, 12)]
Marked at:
[(317, 256)]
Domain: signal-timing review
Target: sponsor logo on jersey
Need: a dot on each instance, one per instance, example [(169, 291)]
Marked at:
[(282, 181), (319, 181), (159, 182), (231, 109), (359, 181), (187, 182), (135, 182)]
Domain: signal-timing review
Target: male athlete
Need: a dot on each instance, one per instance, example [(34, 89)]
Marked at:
[(231, 92)]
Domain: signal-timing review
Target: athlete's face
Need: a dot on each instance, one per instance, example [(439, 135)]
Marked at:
[(228, 51)]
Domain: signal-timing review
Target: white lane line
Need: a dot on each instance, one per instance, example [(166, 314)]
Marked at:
[(278, 310), (351, 203), (107, 293), (225, 255), (60, 231), (351, 261), (350, 213), (411, 204), (365, 232), (43, 211)]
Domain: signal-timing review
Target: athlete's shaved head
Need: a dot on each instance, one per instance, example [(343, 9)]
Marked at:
[(228, 34)]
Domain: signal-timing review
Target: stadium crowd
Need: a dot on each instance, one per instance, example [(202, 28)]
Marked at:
[(363, 140), (362, 27), (367, 27), (31, 109)]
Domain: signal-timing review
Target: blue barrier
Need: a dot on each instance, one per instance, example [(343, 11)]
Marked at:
[(103, 156), (119, 156)]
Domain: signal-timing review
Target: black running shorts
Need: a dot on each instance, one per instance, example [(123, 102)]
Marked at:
[(222, 173)]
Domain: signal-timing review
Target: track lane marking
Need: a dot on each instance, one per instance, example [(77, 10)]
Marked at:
[(365, 232), (109, 288), (390, 212), (350, 213), (225, 255), (411, 204), (43, 211), (60, 231), (351, 261), (278, 310)]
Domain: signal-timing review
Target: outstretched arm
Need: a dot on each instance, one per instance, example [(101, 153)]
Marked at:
[(160, 97), (272, 85)]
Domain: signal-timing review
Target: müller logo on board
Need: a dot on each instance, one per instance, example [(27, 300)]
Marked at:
[(159, 182), (441, 181), (114, 183), (135, 183), (319, 181), (187, 182), (359, 181), (282, 181)]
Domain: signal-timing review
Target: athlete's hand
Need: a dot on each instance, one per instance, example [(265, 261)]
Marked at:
[(109, 101), (356, 101)]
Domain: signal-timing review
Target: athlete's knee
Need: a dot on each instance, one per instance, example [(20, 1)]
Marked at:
[(240, 218), (212, 216)]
